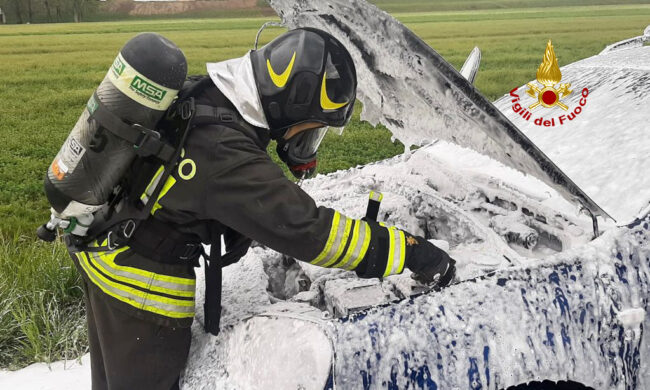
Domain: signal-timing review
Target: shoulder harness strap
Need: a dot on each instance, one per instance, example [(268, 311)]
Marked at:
[(146, 142), (210, 115)]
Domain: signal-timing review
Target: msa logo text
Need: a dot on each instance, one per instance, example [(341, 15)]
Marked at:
[(75, 147), (118, 66), (148, 90)]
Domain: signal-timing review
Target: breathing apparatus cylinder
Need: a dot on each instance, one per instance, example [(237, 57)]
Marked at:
[(140, 85)]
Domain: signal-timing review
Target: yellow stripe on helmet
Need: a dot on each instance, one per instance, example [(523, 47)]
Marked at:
[(280, 80), (325, 101)]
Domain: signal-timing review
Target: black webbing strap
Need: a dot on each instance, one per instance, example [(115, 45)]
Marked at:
[(207, 115), (114, 223), (146, 142), (212, 300), (161, 242)]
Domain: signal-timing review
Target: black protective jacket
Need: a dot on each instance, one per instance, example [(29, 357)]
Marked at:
[(225, 181)]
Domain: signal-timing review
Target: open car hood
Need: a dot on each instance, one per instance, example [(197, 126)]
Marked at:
[(420, 97)]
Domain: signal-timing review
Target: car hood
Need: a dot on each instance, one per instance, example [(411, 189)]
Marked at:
[(605, 148)]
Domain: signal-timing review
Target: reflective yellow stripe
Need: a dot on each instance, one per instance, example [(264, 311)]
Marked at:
[(396, 253), (330, 239), (134, 291), (152, 184), (342, 242), (376, 196), (391, 251), (159, 305), (149, 283), (356, 230), (141, 272), (168, 185), (364, 249)]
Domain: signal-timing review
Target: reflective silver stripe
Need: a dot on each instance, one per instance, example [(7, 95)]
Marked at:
[(397, 250), (364, 248), (344, 243), (358, 239), (138, 301), (149, 281), (400, 254), (334, 248)]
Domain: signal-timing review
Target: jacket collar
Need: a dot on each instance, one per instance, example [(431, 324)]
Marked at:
[(235, 79)]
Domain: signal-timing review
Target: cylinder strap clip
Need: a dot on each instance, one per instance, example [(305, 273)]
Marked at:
[(147, 142)]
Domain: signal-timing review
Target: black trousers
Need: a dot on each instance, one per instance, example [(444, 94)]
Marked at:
[(130, 353)]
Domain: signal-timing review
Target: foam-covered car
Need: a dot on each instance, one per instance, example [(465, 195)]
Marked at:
[(544, 294)]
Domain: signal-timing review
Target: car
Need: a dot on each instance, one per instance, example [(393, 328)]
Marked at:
[(546, 297)]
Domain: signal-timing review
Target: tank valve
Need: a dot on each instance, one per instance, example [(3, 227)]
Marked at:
[(46, 233), (75, 225)]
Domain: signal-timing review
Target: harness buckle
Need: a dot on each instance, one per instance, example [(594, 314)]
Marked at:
[(110, 243), (186, 109), (148, 142), (226, 117), (129, 228), (191, 251)]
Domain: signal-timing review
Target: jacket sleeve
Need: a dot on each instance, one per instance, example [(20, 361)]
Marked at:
[(249, 193)]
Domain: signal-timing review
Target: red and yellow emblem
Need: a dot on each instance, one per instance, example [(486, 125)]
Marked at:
[(548, 74)]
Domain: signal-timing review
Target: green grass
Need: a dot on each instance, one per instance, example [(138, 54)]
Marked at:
[(108, 12), (41, 306), (47, 73)]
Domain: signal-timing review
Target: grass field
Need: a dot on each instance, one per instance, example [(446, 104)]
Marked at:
[(396, 6), (47, 73)]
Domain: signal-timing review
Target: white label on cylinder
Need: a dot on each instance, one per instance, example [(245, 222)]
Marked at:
[(69, 156), (138, 87), (75, 209)]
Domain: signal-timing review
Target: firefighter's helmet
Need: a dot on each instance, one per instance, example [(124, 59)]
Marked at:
[(304, 75)]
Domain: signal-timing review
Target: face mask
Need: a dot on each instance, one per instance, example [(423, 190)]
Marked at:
[(300, 152)]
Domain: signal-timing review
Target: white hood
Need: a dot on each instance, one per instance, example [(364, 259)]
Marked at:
[(235, 79)]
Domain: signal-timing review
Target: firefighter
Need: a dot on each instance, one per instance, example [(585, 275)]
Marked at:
[(140, 291)]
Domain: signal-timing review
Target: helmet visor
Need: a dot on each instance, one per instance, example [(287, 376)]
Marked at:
[(340, 84), (306, 143)]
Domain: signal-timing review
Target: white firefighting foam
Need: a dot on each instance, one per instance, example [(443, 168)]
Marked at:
[(420, 97), (444, 192), (604, 147)]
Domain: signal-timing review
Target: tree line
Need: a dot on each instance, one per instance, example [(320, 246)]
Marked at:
[(47, 11)]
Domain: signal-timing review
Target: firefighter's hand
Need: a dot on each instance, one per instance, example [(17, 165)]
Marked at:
[(430, 265)]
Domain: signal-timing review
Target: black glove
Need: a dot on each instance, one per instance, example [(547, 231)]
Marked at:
[(430, 265)]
